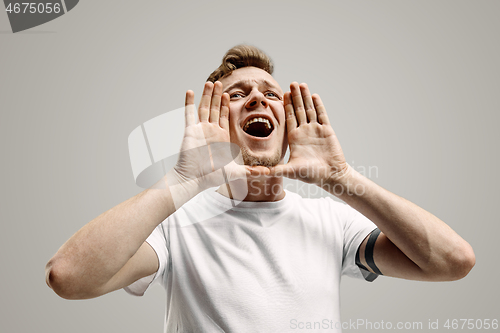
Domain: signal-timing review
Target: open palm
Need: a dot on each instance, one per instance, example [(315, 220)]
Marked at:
[(315, 153), (207, 157)]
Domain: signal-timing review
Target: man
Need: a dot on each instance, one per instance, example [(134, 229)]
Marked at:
[(259, 264)]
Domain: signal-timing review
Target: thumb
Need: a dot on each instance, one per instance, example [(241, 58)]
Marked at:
[(282, 170), (258, 170), (234, 171)]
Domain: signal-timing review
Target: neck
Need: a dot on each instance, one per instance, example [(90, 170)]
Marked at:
[(260, 188)]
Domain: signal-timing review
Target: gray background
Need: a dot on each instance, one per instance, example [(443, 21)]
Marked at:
[(411, 87)]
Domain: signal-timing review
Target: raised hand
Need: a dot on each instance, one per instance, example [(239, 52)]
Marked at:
[(207, 157), (315, 153)]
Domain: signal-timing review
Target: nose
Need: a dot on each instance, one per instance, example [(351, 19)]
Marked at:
[(256, 99)]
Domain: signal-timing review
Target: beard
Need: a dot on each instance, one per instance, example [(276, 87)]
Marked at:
[(253, 160)]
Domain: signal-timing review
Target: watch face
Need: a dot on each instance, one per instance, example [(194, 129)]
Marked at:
[(25, 15)]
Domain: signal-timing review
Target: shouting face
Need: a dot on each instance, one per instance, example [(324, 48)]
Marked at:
[(256, 115)]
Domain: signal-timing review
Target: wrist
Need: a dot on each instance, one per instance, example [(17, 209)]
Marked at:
[(181, 189), (343, 182)]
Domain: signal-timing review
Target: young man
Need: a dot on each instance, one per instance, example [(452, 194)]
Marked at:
[(250, 256)]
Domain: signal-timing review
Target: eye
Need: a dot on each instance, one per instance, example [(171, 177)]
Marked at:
[(236, 95), (272, 94)]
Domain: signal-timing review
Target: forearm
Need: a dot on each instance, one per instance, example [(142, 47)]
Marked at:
[(422, 237), (91, 257), (97, 259), (413, 240)]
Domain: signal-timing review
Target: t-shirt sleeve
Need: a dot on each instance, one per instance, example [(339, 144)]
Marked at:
[(158, 242), (356, 228)]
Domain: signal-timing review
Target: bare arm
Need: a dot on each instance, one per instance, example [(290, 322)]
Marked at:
[(85, 265), (414, 244), (110, 252)]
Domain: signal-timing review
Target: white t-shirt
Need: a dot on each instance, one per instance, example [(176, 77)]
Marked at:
[(256, 267)]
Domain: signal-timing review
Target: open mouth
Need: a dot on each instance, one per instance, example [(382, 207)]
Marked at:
[(259, 127)]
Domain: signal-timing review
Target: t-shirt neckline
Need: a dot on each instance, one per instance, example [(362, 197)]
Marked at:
[(227, 203)]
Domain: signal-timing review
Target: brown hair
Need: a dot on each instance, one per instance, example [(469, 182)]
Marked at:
[(242, 56)]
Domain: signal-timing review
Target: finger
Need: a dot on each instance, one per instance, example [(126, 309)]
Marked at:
[(258, 170), (235, 171), (215, 103), (320, 110), (298, 104), (308, 103), (282, 170), (224, 112), (189, 110), (291, 121), (204, 109)]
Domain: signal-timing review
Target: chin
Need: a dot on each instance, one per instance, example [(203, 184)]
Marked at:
[(267, 161)]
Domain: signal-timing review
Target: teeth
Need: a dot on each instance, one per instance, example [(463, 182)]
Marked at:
[(259, 119)]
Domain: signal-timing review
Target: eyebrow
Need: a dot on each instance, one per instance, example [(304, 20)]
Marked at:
[(243, 83)]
